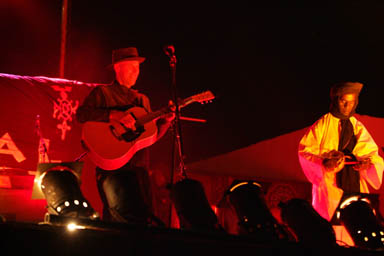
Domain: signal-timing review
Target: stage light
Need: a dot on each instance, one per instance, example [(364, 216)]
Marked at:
[(59, 184), (357, 213), (192, 206), (248, 201), (76, 224), (306, 224), (62, 192), (73, 226)]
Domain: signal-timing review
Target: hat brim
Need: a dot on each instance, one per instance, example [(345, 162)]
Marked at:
[(140, 59)]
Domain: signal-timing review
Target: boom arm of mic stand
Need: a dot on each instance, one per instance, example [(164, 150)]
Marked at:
[(192, 119)]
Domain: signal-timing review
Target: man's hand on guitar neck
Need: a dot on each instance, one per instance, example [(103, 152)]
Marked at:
[(171, 115), (121, 117)]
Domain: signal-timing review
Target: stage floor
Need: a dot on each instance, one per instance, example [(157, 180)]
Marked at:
[(119, 239)]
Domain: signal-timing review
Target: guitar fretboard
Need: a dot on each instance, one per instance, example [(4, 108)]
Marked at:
[(151, 116)]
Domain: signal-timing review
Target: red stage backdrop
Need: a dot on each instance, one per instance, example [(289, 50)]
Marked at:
[(33, 106), (30, 107)]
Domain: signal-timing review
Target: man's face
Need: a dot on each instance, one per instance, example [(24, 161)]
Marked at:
[(127, 72), (346, 103)]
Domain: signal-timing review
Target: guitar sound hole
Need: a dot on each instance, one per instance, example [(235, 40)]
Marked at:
[(131, 135)]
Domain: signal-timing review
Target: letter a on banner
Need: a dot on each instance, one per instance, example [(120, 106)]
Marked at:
[(10, 148)]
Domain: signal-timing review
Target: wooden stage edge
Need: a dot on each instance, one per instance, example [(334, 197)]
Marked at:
[(120, 239)]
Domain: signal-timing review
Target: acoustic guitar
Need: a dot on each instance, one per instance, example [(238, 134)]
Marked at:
[(111, 145)]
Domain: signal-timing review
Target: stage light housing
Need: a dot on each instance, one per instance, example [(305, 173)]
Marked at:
[(248, 201), (359, 217), (306, 223), (192, 206), (59, 184)]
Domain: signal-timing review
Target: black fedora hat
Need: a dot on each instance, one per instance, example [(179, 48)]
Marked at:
[(124, 54)]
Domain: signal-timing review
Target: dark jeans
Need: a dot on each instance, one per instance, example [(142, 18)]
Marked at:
[(126, 194)]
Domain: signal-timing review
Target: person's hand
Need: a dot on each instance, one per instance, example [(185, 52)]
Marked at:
[(334, 161), (125, 119), (363, 164), (171, 115)]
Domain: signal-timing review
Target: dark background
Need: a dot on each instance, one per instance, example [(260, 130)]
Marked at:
[(270, 68)]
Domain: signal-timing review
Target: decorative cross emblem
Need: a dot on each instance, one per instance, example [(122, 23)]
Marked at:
[(64, 109)]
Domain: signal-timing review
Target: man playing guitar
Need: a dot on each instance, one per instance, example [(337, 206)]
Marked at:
[(124, 191)]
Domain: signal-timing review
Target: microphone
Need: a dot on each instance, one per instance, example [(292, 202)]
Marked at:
[(169, 50)]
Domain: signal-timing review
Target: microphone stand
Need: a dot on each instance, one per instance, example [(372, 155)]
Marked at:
[(170, 52), (43, 149)]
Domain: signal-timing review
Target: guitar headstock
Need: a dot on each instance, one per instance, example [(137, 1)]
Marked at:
[(203, 98)]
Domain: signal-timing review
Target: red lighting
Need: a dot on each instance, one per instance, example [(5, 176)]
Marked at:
[(5, 181)]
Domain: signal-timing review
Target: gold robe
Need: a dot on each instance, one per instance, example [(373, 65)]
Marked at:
[(322, 137)]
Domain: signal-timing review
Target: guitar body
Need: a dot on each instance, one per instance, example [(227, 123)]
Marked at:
[(110, 151), (111, 145)]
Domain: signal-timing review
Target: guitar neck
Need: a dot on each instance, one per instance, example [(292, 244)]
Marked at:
[(151, 116)]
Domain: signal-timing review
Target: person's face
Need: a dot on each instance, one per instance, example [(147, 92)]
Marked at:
[(346, 103), (127, 72)]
